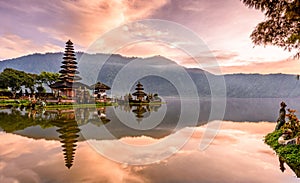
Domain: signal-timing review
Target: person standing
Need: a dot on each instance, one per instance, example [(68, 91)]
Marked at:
[(281, 118)]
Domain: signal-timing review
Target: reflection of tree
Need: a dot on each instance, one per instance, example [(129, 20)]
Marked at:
[(82, 115), (102, 115), (79, 116), (15, 120), (99, 113), (153, 108), (294, 167), (281, 164), (124, 107)]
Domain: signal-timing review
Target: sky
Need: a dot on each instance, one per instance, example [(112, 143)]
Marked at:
[(224, 26)]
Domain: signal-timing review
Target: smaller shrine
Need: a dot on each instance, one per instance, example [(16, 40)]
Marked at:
[(140, 95), (100, 90)]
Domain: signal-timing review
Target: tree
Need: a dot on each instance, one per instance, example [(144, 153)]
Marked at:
[(48, 77), (282, 25), (11, 78), (15, 79), (29, 80), (41, 89), (3, 83)]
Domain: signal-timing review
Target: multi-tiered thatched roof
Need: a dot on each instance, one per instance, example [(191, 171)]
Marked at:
[(69, 74)]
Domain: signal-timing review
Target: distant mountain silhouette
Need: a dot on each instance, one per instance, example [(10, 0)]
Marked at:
[(237, 85)]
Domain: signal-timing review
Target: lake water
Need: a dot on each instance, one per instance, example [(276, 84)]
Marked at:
[(142, 144)]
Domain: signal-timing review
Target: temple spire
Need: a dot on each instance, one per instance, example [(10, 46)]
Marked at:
[(69, 79), (69, 67)]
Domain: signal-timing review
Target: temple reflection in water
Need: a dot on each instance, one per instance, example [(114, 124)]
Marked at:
[(68, 130), (140, 110), (66, 127), (67, 123)]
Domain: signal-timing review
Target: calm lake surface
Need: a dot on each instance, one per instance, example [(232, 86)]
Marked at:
[(142, 144)]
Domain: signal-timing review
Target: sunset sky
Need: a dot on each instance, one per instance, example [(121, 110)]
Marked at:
[(224, 25)]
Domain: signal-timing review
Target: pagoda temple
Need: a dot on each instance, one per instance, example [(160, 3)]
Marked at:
[(68, 80), (139, 93)]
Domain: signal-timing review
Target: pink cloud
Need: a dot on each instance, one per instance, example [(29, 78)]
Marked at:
[(83, 21), (149, 49), (14, 45), (288, 66), (44, 26)]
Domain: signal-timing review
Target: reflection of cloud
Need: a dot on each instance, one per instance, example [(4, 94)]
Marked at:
[(137, 141), (238, 146), (245, 158), (28, 160), (238, 154), (146, 151), (225, 139)]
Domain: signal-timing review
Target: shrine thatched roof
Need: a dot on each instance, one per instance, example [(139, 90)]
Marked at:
[(100, 86), (68, 85), (139, 93)]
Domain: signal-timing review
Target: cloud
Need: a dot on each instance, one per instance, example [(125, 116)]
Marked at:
[(208, 60), (224, 25), (150, 48), (228, 62), (14, 45), (224, 55), (287, 66), (54, 22)]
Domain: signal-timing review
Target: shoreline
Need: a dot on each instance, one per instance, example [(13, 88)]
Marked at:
[(290, 154)]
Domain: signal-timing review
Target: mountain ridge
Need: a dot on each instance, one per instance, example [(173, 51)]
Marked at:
[(237, 85)]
